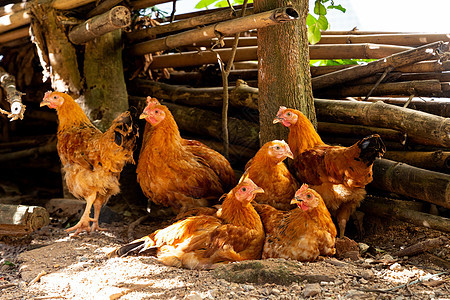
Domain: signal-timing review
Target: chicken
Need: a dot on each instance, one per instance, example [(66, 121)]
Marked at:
[(176, 172), (234, 233), (339, 174), (302, 233), (268, 171), (91, 160)]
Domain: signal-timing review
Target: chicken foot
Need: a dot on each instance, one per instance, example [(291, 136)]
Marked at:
[(83, 224)]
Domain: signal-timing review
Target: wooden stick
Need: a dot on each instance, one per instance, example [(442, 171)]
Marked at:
[(360, 131), (396, 60), (15, 20), (356, 31), (433, 106), (49, 148), (433, 128), (390, 208), (117, 17), (16, 220), (410, 181), (400, 39), (218, 16), (13, 8), (13, 96), (14, 35), (432, 160), (103, 7), (426, 88), (138, 4), (422, 246), (241, 96), (69, 4), (276, 16)]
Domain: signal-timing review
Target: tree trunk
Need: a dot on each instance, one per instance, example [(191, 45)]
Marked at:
[(284, 77), (50, 38), (17, 220), (106, 93)]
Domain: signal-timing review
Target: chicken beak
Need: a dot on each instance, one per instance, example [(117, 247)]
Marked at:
[(296, 200), (289, 154), (277, 120), (143, 115), (44, 103), (258, 190)]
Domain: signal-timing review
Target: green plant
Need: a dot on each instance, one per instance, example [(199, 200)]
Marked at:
[(218, 3), (315, 25)]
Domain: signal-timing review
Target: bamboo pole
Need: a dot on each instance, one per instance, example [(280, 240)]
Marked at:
[(254, 21), (360, 131), (138, 4), (15, 20), (390, 208), (218, 16), (14, 35), (103, 7), (398, 76), (13, 8), (117, 17), (433, 128), (195, 58), (241, 96), (356, 32), (400, 39), (17, 220), (399, 59), (69, 4), (433, 160), (423, 66), (427, 88), (437, 107), (406, 180)]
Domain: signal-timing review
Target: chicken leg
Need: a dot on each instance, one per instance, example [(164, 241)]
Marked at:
[(83, 224), (97, 208)]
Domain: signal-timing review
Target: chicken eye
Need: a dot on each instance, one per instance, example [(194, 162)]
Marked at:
[(244, 189), (308, 196), (288, 114), (278, 147), (55, 97), (156, 111)]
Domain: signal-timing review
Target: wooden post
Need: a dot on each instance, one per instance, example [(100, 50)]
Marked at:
[(431, 160), (432, 128), (254, 21), (430, 51), (13, 96), (117, 17), (391, 209), (410, 181), (106, 94), (18, 220)]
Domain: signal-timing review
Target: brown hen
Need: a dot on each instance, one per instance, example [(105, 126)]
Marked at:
[(176, 172), (269, 172), (339, 174), (92, 160), (234, 233), (302, 233)]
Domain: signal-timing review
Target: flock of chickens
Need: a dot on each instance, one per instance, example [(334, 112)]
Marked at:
[(270, 212)]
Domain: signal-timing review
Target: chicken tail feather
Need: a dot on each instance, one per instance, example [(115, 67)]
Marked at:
[(136, 247), (371, 147), (125, 129)]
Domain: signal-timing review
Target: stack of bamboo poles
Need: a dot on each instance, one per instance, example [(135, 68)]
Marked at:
[(405, 68)]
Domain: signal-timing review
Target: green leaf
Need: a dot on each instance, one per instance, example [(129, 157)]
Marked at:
[(338, 7), (204, 3), (310, 20), (322, 23), (319, 8), (314, 34), (8, 263), (223, 3)]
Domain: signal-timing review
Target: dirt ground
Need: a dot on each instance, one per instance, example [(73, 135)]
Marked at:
[(51, 265)]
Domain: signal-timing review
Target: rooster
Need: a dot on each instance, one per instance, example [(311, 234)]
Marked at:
[(234, 233), (176, 172), (339, 174), (268, 171), (91, 160), (302, 233)]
